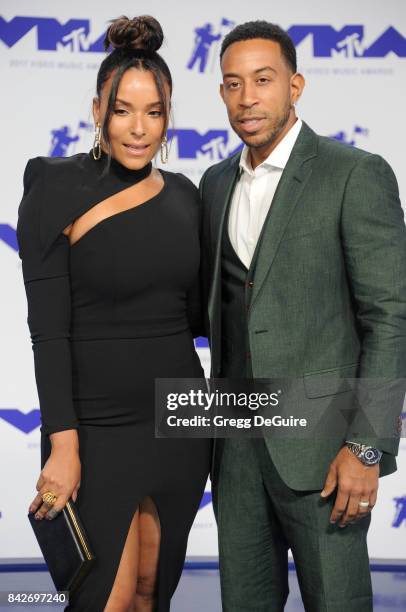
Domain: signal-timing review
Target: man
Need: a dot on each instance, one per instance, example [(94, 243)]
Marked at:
[(304, 254)]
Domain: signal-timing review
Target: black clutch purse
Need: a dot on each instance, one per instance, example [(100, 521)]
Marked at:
[(65, 547)]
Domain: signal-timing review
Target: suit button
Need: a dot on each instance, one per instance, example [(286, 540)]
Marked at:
[(250, 285)]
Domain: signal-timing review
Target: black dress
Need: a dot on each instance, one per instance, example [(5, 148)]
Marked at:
[(107, 316)]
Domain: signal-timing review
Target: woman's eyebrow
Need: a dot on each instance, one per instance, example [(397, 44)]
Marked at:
[(129, 105)]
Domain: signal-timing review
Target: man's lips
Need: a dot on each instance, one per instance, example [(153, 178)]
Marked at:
[(250, 124)]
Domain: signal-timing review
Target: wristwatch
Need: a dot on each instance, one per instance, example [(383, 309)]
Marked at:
[(367, 454)]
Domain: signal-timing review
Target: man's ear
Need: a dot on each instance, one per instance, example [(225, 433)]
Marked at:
[(297, 84)]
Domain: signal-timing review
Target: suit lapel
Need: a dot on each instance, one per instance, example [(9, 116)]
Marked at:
[(290, 187)]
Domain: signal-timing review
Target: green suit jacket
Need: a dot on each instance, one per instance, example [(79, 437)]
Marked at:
[(328, 299)]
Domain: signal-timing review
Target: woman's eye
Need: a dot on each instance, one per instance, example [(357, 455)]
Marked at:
[(118, 111), (156, 113)]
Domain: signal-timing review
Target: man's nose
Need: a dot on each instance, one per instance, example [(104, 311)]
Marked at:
[(248, 96)]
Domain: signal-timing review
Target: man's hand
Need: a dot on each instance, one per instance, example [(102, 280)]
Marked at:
[(356, 483)]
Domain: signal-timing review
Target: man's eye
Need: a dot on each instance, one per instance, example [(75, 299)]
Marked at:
[(232, 85), (263, 80)]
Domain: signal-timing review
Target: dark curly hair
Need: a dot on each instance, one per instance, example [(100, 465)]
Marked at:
[(266, 30), (134, 44)]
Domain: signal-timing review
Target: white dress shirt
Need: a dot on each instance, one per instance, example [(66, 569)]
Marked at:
[(253, 195)]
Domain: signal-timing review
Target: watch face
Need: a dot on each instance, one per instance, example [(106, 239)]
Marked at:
[(371, 455)]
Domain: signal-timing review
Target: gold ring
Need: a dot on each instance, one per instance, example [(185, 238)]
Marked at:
[(363, 504), (49, 498)]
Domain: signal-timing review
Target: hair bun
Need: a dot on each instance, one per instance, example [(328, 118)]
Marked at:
[(143, 32)]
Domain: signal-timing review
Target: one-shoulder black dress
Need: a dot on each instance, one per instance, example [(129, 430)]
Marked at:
[(107, 316)]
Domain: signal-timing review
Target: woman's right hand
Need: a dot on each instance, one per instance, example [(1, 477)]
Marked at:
[(61, 476)]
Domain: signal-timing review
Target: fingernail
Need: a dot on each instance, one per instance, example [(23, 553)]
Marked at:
[(323, 494), (342, 526), (38, 517)]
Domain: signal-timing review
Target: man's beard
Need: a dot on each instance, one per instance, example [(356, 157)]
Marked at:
[(271, 135)]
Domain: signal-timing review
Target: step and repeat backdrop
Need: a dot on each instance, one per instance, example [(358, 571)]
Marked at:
[(353, 56)]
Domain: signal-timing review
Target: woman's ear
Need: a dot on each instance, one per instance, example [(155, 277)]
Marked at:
[(96, 110)]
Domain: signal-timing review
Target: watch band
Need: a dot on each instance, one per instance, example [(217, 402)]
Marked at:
[(368, 455)]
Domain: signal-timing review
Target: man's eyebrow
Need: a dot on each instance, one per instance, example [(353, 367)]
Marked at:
[(265, 68), (235, 75)]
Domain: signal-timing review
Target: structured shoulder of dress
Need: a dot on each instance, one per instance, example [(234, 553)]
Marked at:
[(54, 166), (182, 184), (58, 190), (183, 181), (73, 160)]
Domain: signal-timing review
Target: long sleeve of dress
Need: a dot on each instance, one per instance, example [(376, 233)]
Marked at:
[(47, 285), (194, 310)]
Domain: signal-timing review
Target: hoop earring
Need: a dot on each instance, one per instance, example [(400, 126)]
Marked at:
[(164, 150), (96, 144)]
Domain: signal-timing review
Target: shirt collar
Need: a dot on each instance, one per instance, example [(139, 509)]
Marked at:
[(279, 156)]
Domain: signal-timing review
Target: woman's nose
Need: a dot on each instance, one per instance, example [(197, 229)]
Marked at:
[(137, 127)]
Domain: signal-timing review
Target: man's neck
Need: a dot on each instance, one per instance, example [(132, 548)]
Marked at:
[(258, 155)]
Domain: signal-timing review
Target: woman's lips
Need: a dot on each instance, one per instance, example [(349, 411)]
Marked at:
[(136, 150)]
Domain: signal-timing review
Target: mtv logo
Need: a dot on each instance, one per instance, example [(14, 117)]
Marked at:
[(8, 235), (206, 500), (348, 41), (213, 145), (25, 422), (350, 137), (400, 511), (64, 139), (52, 35), (206, 44)]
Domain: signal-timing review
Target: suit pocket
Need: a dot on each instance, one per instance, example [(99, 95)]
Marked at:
[(330, 382)]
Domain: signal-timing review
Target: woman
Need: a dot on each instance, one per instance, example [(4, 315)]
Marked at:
[(110, 253)]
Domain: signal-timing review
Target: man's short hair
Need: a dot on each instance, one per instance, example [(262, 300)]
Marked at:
[(266, 30)]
